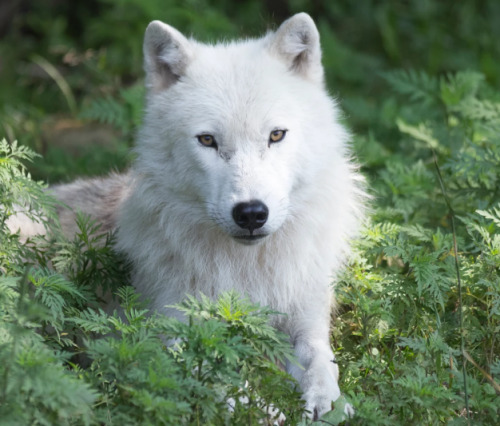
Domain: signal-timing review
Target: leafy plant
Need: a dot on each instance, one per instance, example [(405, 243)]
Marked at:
[(222, 368), (420, 304), (36, 385)]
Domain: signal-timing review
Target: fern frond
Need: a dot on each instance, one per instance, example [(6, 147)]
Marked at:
[(418, 86), (463, 85), (107, 110)]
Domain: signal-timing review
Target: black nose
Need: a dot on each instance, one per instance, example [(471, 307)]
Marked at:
[(251, 215)]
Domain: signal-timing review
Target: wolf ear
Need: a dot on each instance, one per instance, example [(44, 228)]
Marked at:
[(167, 53), (297, 43)]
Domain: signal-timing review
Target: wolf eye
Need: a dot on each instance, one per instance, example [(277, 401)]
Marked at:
[(207, 140), (276, 136)]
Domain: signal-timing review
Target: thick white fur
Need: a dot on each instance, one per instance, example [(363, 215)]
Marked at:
[(174, 209), (177, 227)]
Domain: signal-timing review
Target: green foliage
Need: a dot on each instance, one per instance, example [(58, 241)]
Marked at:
[(125, 113), (223, 357), (33, 369), (18, 194), (404, 330)]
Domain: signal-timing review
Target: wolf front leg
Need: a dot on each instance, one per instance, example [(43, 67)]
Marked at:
[(318, 372)]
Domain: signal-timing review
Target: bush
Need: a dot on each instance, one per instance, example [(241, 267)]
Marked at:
[(417, 333)]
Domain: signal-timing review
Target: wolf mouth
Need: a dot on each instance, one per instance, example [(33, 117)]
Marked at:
[(249, 239)]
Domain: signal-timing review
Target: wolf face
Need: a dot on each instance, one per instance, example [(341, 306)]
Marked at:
[(236, 123)]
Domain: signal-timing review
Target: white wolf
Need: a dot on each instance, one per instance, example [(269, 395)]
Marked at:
[(242, 181)]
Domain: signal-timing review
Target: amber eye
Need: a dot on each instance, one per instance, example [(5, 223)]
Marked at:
[(207, 140), (276, 136)]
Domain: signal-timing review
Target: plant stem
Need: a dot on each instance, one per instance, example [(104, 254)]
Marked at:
[(459, 283)]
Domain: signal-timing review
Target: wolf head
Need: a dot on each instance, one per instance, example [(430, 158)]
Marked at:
[(243, 134)]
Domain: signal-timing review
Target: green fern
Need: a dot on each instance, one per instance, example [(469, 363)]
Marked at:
[(123, 111), (418, 86)]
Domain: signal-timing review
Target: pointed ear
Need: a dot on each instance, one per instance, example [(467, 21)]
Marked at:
[(167, 53), (297, 43)]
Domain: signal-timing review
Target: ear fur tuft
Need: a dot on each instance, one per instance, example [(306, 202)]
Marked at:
[(167, 53), (297, 43)]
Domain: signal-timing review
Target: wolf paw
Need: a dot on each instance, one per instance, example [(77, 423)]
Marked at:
[(349, 410), (318, 405)]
